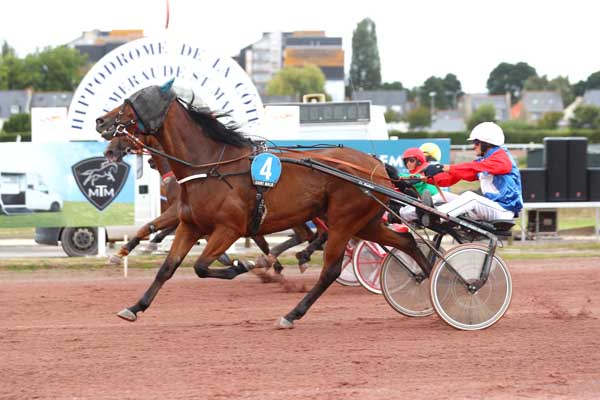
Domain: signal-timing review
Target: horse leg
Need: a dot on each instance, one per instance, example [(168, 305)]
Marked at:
[(332, 266), (218, 242), (304, 255), (158, 238), (166, 220), (185, 238)]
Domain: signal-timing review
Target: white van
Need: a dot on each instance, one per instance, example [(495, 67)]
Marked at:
[(22, 192)]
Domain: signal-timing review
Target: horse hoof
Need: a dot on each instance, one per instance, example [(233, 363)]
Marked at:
[(114, 259), (284, 324), (303, 268), (127, 315)]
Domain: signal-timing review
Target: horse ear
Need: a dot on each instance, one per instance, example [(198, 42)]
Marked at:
[(165, 87)]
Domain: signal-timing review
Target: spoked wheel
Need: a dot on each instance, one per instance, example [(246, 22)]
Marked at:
[(458, 306), (404, 284), (347, 277), (366, 260)]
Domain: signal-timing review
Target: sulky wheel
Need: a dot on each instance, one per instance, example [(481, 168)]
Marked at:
[(366, 260), (455, 303), (347, 277), (404, 285)]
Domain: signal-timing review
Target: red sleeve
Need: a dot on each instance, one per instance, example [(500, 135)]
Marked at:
[(497, 164)]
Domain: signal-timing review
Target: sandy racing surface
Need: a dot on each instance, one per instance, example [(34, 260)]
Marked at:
[(211, 339)]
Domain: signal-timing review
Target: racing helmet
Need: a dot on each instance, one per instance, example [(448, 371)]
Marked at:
[(416, 153), (432, 150), (488, 132)]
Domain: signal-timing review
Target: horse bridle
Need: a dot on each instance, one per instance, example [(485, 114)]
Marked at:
[(120, 130)]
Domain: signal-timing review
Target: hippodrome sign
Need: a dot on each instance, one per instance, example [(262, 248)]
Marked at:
[(218, 80)]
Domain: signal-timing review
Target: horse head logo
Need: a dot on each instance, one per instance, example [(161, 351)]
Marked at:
[(99, 180)]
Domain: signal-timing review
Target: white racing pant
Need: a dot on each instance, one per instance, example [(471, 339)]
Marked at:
[(476, 207), (409, 213)]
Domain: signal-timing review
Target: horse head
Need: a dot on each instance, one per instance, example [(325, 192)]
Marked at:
[(143, 113)]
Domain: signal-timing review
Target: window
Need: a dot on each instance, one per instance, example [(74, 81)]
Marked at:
[(15, 109), (319, 113)]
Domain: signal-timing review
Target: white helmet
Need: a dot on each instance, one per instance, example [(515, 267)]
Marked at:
[(488, 132)]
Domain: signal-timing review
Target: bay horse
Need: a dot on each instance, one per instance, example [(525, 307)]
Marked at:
[(119, 146), (218, 197)]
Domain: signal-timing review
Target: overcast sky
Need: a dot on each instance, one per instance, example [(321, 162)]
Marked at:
[(417, 39)]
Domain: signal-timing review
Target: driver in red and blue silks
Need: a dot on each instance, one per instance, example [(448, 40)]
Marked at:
[(498, 175)]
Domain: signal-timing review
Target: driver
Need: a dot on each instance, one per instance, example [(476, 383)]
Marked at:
[(498, 176)]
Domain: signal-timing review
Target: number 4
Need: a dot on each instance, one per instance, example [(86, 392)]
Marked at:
[(266, 169)]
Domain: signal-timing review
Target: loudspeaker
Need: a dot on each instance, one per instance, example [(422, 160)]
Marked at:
[(533, 184), (577, 186), (594, 183), (556, 163)]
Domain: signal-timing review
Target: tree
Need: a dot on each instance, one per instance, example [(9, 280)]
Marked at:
[(392, 86), (550, 120), (585, 116), (485, 113), (509, 78), (297, 81), (419, 117), (17, 123), (60, 69), (593, 81), (446, 90), (365, 69)]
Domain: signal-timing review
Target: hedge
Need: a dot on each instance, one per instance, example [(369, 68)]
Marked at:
[(513, 137), (12, 137)]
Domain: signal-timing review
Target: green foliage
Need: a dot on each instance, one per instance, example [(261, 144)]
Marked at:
[(12, 137), (17, 123), (419, 117), (512, 137), (446, 90), (509, 78), (392, 116), (585, 116), (297, 81), (516, 125), (365, 69), (550, 120), (392, 86), (593, 81), (485, 113), (52, 69)]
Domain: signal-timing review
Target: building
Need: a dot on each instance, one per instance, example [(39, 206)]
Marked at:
[(392, 100), (51, 99), (276, 50), (534, 104), (96, 43), (14, 102), (471, 102), (592, 97), (448, 121)]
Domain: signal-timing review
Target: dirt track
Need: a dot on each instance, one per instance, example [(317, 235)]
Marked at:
[(209, 339)]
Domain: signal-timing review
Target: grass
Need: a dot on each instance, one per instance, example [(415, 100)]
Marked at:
[(74, 213), (94, 263), (17, 233), (534, 251)]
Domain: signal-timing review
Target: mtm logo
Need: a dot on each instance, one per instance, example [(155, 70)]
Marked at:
[(100, 180)]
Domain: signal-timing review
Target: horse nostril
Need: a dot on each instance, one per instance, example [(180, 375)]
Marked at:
[(99, 121)]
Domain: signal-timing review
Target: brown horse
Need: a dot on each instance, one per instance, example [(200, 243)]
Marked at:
[(167, 222), (218, 197)]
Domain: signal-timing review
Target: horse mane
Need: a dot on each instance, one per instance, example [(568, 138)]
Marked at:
[(225, 133)]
